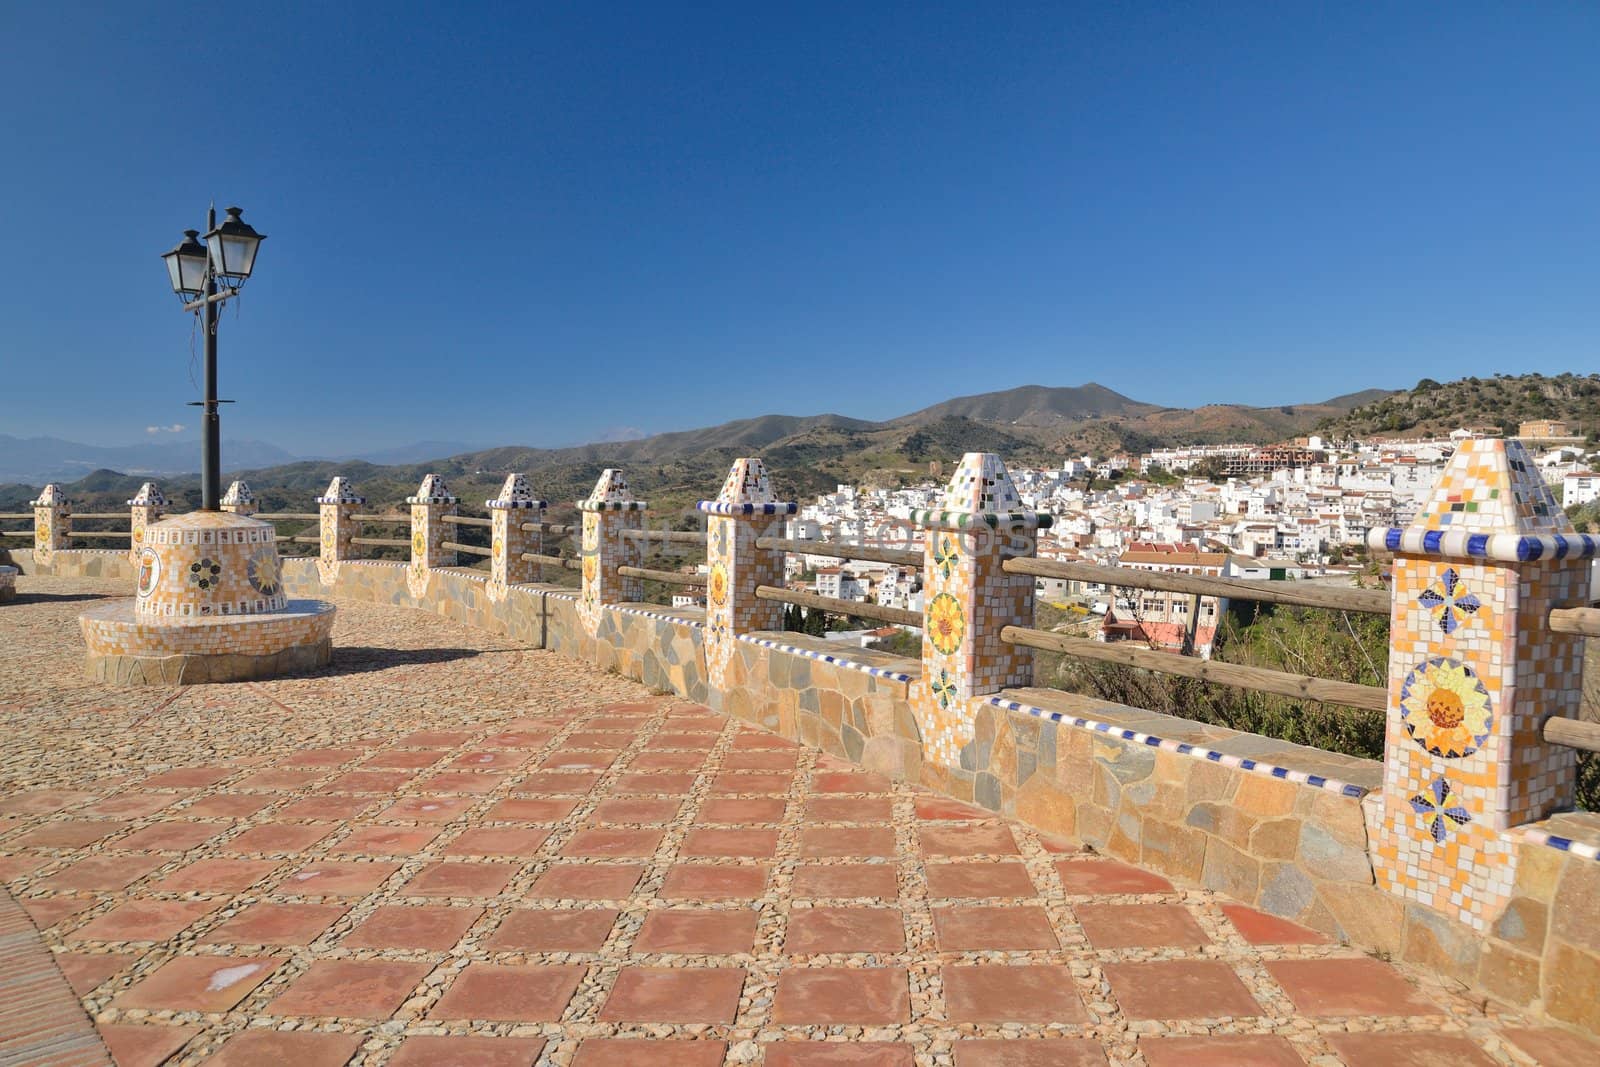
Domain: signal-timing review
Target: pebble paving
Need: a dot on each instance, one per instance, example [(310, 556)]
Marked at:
[(447, 849)]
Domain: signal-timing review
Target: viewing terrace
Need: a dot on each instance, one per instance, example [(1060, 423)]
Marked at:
[(517, 821)]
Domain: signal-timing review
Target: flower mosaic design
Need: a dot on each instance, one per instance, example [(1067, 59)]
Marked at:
[(1445, 708), (591, 567), (205, 573), (41, 532), (328, 540), (717, 585), (944, 689), (1439, 804), (945, 557), (947, 623), (1448, 601), (262, 573), (419, 544)]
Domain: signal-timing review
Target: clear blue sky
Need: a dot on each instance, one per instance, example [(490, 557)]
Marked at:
[(538, 223)]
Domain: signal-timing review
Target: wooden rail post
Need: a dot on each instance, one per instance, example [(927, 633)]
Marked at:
[(337, 508), (432, 502), (607, 512), (144, 509), (741, 513), (969, 599), (1473, 673), (239, 499), (508, 540), (52, 523)]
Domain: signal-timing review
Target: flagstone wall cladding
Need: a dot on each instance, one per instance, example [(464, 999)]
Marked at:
[(106, 563)]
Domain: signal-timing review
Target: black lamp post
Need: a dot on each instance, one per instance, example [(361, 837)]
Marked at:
[(206, 276)]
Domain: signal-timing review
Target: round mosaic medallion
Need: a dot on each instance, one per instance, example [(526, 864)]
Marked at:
[(419, 544), (717, 585), (262, 572), (149, 571), (1445, 708), (947, 623)]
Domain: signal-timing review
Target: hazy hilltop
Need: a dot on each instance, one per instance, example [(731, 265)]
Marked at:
[(1504, 401)]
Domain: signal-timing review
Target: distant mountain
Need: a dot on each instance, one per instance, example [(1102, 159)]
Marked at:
[(1035, 405), (414, 453), (51, 459), (1505, 401)]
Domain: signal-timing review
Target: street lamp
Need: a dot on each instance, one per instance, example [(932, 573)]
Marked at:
[(195, 270)]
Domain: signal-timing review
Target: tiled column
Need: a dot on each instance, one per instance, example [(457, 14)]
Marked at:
[(508, 540), (338, 508), (1473, 673), (428, 531), (969, 599), (609, 510), (239, 499), (52, 523), (144, 509), (743, 511)]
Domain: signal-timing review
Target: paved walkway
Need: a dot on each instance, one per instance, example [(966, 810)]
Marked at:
[(457, 852)]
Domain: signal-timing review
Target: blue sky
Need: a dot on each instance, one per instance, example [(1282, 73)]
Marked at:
[(536, 224)]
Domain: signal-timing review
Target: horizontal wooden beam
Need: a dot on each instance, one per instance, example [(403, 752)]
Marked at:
[(471, 550), (554, 561), (878, 612), (1585, 622), (465, 520), (895, 556), (1297, 594), (396, 519), (666, 577), (675, 537), (389, 542), (1574, 733)]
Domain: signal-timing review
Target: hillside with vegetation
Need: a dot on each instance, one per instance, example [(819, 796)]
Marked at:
[(1504, 401)]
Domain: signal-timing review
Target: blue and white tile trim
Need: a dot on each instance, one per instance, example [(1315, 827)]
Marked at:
[(1507, 548), (510, 505), (1243, 763), (612, 505), (1562, 844), (658, 614), (960, 520), (719, 507), (823, 657)]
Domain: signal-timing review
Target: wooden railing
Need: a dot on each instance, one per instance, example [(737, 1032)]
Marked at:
[(861, 610), (896, 556)]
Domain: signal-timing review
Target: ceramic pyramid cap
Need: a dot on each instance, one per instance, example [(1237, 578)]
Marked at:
[(980, 491), (51, 496), (611, 493), (746, 491), (238, 493), (149, 496), (514, 494), (341, 491), (1490, 503), (432, 491)]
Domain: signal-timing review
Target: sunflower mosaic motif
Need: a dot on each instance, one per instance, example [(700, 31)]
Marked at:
[(1445, 708), (262, 573), (328, 540), (1439, 807), (947, 623), (419, 544), (1449, 601), (138, 535), (717, 585), (41, 532), (945, 557), (149, 572), (205, 573), (944, 689), (591, 567)]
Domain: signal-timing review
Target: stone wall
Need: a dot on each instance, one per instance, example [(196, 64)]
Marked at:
[(75, 563)]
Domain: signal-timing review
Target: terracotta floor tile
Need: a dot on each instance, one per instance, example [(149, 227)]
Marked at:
[(1229, 1050), (48, 911), (735, 810), (267, 923), (1099, 877), (328, 807), (337, 878), (578, 759), (623, 1052), (380, 840), (587, 881), (135, 805), (278, 780), (217, 876), (554, 930), (610, 740), (322, 757), (68, 833), (697, 931), (978, 880), (22, 865), (1259, 928), (849, 809), (431, 927), (758, 760), (84, 971), (520, 841), (428, 809), (846, 881), (932, 808), (976, 928), (842, 996), (490, 760), (694, 742), (1049, 1052), (355, 989), (101, 874), (759, 740), (703, 881), (837, 1054), (1000, 993), (436, 738), (519, 739), (617, 841), (752, 782), (967, 839), (1361, 986), (174, 836), (500, 993), (667, 760), (557, 783), (145, 919), (849, 782), (657, 783), (403, 759), (369, 782), (835, 929), (451, 1050), (132, 1045), (873, 842), (674, 995), (1408, 1050), (198, 983), (1180, 989), (1551, 1046), (456, 878), (541, 809), (474, 782), (692, 724), (730, 844), (281, 1048), (1140, 926), (44, 801), (279, 837), (637, 810), (188, 777)]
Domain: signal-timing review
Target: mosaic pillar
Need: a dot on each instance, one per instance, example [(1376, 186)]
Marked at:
[(239, 499), (429, 531), (52, 523), (743, 511), (609, 510), (969, 599), (338, 509), (144, 509), (508, 540), (1473, 673)]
